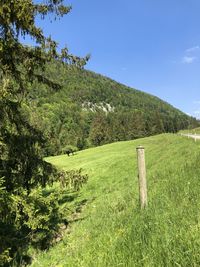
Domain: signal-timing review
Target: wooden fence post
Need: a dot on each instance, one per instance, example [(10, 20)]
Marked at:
[(142, 176)]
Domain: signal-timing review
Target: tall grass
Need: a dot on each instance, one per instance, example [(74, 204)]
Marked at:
[(112, 230)]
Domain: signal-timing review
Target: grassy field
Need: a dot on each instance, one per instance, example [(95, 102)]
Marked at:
[(112, 230), (193, 131)]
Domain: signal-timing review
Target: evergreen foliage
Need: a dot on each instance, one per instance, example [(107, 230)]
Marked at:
[(26, 215), (91, 110)]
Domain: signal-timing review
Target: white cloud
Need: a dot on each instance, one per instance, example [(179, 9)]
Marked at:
[(191, 54), (192, 49), (188, 59)]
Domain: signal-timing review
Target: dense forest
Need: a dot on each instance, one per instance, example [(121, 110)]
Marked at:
[(91, 110)]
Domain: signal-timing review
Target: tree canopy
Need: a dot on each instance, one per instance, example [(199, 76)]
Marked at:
[(21, 160)]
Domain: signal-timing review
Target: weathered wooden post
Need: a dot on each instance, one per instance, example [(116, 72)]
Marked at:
[(142, 176)]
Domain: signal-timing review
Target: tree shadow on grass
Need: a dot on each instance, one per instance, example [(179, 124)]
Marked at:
[(67, 198)]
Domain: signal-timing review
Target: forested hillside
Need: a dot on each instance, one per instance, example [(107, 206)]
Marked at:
[(91, 110)]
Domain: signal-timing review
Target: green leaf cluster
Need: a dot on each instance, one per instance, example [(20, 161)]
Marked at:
[(74, 179)]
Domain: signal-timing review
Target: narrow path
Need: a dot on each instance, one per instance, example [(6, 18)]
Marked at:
[(194, 136)]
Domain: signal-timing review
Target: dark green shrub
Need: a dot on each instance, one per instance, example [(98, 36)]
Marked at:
[(34, 219), (73, 179)]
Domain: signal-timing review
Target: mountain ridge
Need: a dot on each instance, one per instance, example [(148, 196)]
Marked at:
[(91, 109)]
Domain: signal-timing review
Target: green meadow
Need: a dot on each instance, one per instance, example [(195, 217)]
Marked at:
[(192, 131), (111, 230)]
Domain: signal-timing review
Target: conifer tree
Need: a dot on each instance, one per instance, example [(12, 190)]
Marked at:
[(21, 165), (20, 65)]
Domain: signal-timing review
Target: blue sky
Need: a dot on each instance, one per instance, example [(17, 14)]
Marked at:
[(151, 45)]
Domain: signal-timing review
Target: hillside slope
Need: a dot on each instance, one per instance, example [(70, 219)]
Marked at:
[(111, 230), (92, 110)]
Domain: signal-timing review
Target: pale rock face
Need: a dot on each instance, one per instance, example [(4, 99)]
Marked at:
[(106, 107)]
